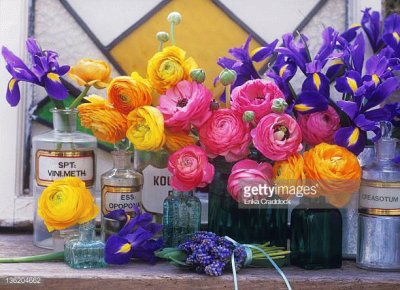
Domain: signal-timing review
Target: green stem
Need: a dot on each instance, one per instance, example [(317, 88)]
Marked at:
[(228, 96), (173, 33), (78, 100), (160, 46), (56, 256)]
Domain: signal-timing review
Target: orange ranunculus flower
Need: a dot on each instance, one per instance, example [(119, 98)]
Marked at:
[(335, 170), (91, 72), (106, 123), (290, 173), (128, 93), (178, 140), (168, 67), (146, 128), (65, 203)]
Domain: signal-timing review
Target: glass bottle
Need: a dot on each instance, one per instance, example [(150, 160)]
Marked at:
[(181, 217), (244, 225), (379, 208), (85, 252), (57, 154), (121, 187), (316, 241), (156, 186)]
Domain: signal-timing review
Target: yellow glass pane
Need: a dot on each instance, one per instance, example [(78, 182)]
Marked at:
[(205, 33)]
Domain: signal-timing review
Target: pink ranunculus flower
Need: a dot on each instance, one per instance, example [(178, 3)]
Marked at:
[(277, 136), (185, 104), (190, 168), (226, 134), (319, 127), (257, 96), (246, 173)]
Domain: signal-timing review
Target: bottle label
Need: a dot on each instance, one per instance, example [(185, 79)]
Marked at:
[(380, 195), (120, 197), (156, 187), (53, 165)]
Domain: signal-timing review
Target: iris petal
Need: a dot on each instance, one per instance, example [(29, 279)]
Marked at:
[(115, 250), (13, 94), (351, 138), (310, 101), (54, 86)]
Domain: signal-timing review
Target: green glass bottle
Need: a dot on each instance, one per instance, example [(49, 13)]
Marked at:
[(316, 241), (85, 252), (245, 225), (181, 217)]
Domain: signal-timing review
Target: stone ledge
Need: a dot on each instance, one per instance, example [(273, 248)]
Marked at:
[(58, 275)]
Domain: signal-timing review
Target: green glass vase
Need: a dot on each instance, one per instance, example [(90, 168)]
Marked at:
[(316, 240), (245, 225)]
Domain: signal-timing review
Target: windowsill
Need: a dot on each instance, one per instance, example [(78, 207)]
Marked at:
[(57, 275)]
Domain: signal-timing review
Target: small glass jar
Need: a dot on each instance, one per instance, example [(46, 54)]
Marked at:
[(85, 252), (57, 154), (121, 186), (182, 217), (316, 241)]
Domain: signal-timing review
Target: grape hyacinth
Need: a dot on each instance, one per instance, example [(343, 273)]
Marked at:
[(210, 254)]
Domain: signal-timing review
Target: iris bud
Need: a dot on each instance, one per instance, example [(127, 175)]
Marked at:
[(162, 36), (248, 116), (227, 77), (279, 105), (174, 17), (198, 75)]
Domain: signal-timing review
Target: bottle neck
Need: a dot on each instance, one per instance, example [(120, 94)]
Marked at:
[(177, 193), (122, 159), (385, 149), (64, 121), (87, 231)]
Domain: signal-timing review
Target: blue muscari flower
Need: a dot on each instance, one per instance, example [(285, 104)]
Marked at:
[(45, 72), (215, 268), (134, 240)]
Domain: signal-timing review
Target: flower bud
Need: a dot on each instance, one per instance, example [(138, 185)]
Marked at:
[(227, 77), (248, 116), (279, 105), (174, 17), (162, 36), (214, 105), (198, 75)]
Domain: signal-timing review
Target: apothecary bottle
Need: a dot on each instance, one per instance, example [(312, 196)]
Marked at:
[(121, 186), (156, 187), (379, 208), (57, 154), (181, 217)]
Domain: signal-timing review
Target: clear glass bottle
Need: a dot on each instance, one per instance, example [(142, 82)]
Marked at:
[(121, 187), (57, 154), (181, 217), (156, 187), (379, 208), (85, 252)]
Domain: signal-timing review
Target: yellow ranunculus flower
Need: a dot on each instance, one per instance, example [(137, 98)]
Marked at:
[(106, 123), (91, 72), (146, 128), (289, 173), (176, 141), (335, 170), (128, 93), (168, 67), (65, 203)]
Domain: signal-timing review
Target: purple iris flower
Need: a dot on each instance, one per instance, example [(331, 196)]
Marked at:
[(391, 32), (370, 23), (135, 240), (45, 72), (296, 50), (364, 118), (282, 71)]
